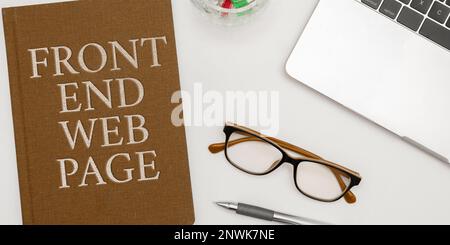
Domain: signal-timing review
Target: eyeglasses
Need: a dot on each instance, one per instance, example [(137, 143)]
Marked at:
[(257, 154)]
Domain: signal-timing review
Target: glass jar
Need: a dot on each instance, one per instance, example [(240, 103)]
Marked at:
[(229, 12)]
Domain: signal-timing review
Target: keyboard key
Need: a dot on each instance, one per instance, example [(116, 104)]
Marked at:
[(372, 3), (448, 23), (390, 8), (447, 2), (436, 32), (439, 12), (410, 18), (421, 5), (405, 1)]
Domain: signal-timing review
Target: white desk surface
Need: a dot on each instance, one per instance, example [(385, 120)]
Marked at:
[(401, 184)]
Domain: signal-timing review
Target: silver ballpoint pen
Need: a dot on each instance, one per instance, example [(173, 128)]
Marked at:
[(266, 214)]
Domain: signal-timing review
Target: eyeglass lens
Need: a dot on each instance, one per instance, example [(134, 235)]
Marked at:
[(257, 156)]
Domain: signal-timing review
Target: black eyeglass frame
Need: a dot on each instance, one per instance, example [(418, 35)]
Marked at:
[(229, 129)]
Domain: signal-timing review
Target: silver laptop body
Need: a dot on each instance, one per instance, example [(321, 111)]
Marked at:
[(387, 60)]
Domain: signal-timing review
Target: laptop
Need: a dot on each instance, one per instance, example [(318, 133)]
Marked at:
[(387, 60)]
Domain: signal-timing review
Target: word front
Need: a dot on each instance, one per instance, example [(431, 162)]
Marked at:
[(61, 59)]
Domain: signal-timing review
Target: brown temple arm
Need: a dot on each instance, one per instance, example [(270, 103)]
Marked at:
[(349, 196)]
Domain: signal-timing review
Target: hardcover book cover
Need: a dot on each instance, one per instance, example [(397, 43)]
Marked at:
[(91, 84)]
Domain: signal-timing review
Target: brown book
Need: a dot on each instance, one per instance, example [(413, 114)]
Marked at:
[(91, 86)]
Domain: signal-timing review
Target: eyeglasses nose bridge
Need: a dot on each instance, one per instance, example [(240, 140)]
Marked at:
[(288, 159)]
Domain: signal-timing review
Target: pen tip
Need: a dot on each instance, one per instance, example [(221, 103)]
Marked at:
[(227, 205), (223, 204)]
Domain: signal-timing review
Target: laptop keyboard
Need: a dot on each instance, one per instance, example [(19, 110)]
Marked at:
[(429, 18)]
